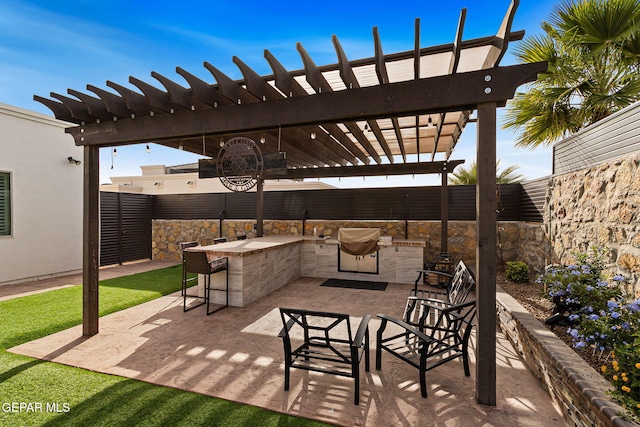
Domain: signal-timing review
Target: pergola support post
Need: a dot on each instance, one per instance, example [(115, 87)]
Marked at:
[(91, 226), (444, 212), (486, 255), (259, 207)]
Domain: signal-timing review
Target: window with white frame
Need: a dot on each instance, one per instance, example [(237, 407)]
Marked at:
[(5, 204)]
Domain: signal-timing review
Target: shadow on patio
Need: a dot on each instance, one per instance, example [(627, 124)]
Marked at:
[(235, 354)]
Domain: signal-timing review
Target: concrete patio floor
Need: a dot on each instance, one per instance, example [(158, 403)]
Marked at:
[(235, 354)]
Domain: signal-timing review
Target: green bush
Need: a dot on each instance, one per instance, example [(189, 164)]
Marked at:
[(517, 272)]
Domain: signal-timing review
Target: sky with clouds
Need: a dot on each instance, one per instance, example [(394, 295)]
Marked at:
[(48, 46)]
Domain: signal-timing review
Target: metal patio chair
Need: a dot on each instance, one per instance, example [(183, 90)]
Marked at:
[(429, 346), (322, 342)]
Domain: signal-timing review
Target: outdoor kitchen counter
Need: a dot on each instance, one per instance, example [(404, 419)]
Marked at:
[(261, 265), (257, 267), (249, 247)]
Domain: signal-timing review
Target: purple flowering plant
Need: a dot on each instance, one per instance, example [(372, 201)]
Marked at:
[(599, 317)]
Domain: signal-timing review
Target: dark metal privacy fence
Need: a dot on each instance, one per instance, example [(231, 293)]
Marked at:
[(408, 203), (126, 218)]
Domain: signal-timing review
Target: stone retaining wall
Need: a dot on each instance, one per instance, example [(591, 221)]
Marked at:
[(516, 240), (599, 206), (579, 391)]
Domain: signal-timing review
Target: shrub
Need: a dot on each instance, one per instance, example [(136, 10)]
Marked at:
[(517, 272), (591, 304), (581, 287), (603, 319)]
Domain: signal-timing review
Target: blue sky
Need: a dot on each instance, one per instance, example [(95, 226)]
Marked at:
[(50, 46)]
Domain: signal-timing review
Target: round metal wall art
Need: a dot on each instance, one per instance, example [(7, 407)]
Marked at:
[(239, 164)]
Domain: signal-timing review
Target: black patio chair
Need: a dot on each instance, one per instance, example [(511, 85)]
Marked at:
[(219, 240), (322, 342), (196, 262), (429, 346), (457, 292)]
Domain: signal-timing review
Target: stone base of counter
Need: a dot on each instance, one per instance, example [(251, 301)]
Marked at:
[(259, 266), (397, 263), (252, 277)]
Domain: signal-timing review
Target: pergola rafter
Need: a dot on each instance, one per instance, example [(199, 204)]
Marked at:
[(412, 103)]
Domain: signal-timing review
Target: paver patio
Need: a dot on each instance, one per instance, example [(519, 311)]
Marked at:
[(235, 354)]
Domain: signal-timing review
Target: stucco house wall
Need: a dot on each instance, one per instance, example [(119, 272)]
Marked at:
[(46, 197)]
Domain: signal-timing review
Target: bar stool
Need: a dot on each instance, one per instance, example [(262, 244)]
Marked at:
[(196, 262), (183, 246)]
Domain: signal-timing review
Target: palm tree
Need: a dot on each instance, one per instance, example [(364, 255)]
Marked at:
[(468, 176), (593, 51)]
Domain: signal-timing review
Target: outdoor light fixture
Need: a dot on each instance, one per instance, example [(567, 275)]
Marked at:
[(73, 161), (430, 123), (181, 146), (262, 139), (115, 152), (148, 149), (313, 135)]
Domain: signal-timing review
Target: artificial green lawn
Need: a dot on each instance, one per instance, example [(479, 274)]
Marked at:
[(85, 398)]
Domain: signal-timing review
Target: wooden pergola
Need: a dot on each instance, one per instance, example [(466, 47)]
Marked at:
[(353, 118)]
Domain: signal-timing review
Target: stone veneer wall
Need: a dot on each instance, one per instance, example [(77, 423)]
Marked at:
[(579, 391), (599, 206), (516, 241)]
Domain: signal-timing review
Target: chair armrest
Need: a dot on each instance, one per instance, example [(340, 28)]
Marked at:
[(405, 326), (362, 329), (285, 330)]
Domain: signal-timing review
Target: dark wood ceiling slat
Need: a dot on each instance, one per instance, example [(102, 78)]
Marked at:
[(203, 91), (135, 101), (255, 84), (115, 104), (289, 86), (453, 68), (501, 39), (231, 90), (156, 98), (350, 80), (288, 145), (340, 154), (346, 142), (263, 90), (284, 81), (320, 84), (178, 94), (96, 106), (60, 111), (302, 137), (78, 109), (383, 78)]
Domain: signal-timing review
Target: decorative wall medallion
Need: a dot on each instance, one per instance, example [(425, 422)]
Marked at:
[(239, 164)]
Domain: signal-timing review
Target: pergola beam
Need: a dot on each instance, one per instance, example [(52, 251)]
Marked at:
[(368, 170), (455, 92)]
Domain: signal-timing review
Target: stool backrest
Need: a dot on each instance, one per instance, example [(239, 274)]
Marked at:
[(196, 262)]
